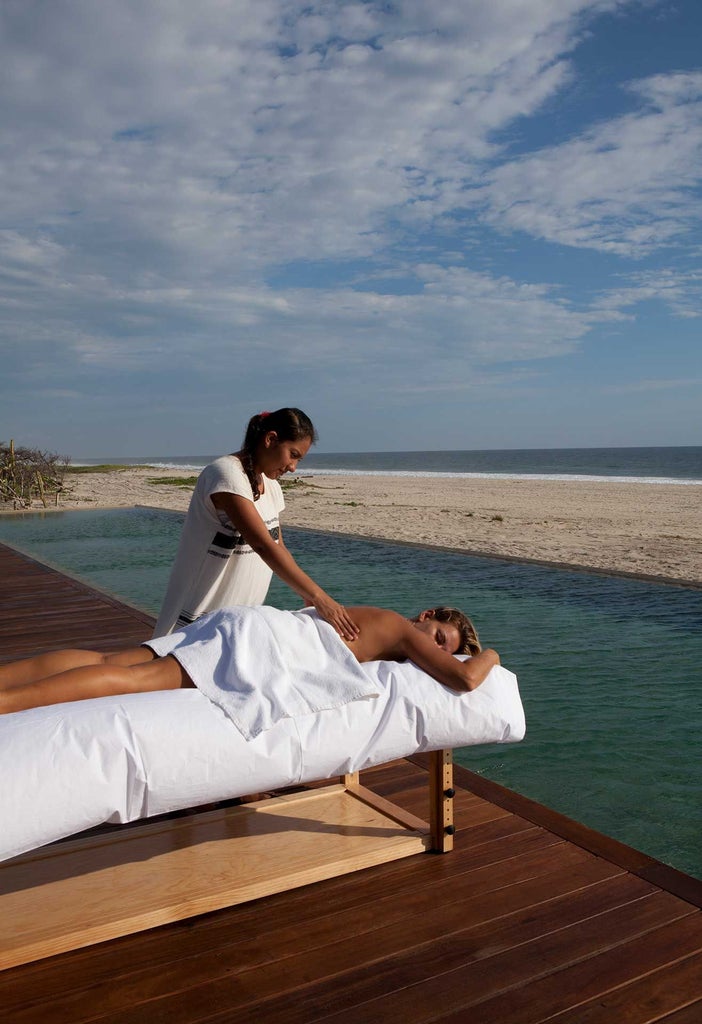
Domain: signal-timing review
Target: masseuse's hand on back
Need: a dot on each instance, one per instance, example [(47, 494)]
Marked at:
[(244, 517), (335, 614)]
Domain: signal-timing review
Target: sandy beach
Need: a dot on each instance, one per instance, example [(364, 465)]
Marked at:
[(648, 529)]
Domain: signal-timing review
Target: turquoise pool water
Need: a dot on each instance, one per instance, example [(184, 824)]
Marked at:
[(609, 668)]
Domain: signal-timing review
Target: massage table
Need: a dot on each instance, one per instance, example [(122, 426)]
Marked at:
[(70, 768)]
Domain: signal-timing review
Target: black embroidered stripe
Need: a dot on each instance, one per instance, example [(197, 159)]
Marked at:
[(184, 619), (228, 541)]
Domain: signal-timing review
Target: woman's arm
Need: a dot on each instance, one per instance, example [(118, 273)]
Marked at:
[(243, 516), (462, 676)]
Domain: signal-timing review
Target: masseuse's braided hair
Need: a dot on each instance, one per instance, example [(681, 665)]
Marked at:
[(289, 425)]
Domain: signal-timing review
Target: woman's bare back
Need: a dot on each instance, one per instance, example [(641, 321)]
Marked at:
[(381, 634)]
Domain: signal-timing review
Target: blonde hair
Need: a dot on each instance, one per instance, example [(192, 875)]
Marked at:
[(470, 642)]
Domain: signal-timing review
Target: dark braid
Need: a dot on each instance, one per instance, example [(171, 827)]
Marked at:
[(288, 424)]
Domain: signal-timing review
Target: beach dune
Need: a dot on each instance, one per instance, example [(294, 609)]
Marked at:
[(639, 528)]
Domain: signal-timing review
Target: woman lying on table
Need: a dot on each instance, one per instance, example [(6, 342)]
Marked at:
[(429, 640)]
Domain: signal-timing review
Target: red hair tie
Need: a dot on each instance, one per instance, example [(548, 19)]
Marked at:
[(263, 414)]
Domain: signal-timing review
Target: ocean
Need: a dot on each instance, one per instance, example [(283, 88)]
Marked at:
[(681, 465), (608, 667)]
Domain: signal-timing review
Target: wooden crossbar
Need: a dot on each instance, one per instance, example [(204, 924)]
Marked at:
[(100, 887)]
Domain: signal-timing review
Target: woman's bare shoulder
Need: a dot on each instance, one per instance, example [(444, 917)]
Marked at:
[(372, 612), (379, 618), (381, 633)]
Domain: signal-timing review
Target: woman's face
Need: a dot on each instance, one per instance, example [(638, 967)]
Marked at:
[(444, 634), (274, 457)]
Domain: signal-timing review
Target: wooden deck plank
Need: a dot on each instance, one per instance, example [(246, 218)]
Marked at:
[(286, 992), (531, 917), (644, 1000), (248, 970), (41, 606), (690, 1014), (632, 860), (542, 994), (116, 961), (523, 983)]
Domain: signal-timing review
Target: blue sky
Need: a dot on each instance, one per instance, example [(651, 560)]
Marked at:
[(469, 224)]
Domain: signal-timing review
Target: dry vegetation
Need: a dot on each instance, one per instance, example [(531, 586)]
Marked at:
[(27, 474)]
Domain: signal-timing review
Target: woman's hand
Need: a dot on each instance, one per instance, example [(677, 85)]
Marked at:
[(336, 615)]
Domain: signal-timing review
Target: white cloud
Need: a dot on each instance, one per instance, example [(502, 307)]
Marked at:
[(252, 132), (680, 291), (628, 186), (158, 160), (457, 322), (162, 163)]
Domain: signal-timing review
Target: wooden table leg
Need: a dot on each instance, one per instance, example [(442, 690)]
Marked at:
[(441, 793)]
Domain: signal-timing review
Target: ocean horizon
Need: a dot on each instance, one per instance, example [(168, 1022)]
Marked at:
[(653, 465)]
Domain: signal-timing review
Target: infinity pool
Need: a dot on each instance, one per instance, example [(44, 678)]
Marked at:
[(609, 668)]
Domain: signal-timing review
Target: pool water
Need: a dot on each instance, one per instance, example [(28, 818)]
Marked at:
[(608, 668)]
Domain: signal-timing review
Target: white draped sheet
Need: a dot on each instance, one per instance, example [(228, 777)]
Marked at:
[(69, 767)]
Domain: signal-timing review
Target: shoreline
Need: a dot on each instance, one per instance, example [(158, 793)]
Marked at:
[(646, 530), (673, 581)]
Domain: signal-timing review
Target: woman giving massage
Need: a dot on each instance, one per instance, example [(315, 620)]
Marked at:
[(429, 640)]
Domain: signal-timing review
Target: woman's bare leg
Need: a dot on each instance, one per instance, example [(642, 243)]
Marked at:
[(33, 670), (96, 680)]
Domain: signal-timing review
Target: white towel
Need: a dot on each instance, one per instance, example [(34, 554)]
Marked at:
[(261, 664)]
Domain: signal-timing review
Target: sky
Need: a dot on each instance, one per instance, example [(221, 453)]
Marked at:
[(470, 224)]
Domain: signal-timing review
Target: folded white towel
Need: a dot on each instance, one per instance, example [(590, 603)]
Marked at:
[(262, 664)]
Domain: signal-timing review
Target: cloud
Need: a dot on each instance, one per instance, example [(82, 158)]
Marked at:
[(469, 318), (680, 291), (627, 186), (262, 131), (166, 166), (158, 161)]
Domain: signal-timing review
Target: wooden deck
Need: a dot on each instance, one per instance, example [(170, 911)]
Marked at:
[(531, 918)]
